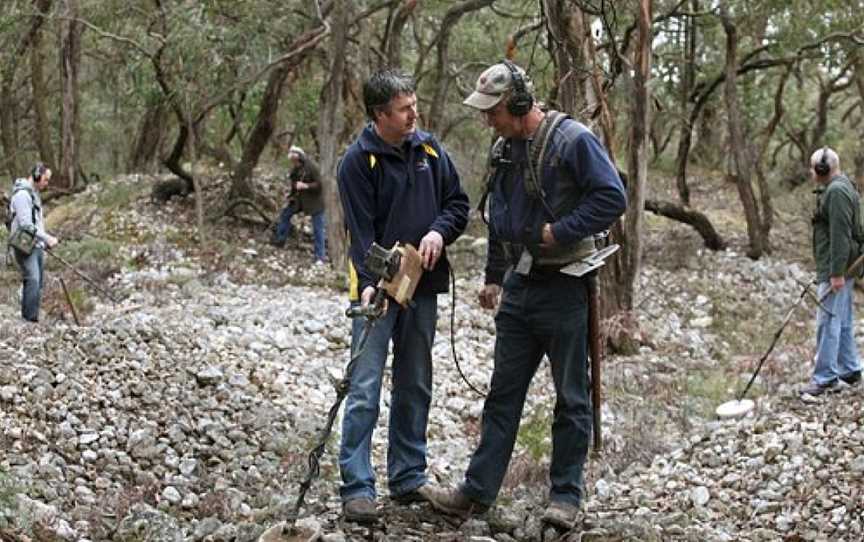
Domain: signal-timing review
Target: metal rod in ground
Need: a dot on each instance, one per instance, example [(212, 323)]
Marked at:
[(87, 279), (69, 301), (595, 350)]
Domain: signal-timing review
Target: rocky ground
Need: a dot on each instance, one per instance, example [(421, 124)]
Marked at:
[(186, 410)]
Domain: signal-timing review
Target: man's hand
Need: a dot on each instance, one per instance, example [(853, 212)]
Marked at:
[(51, 241), (837, 283), (367, 295), (488, 296), (301, 185), (430, 249), (548, 237)]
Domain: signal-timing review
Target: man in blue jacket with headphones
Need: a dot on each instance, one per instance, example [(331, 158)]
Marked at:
[(552, 188), (397, 184)]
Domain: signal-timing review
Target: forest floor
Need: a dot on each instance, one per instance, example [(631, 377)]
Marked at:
[(185, 410)]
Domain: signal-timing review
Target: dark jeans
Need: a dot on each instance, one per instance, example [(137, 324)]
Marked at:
[(537, 316), (33, 278)]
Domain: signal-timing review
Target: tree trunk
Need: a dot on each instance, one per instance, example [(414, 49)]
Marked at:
[(740, 162), (41, 126), (685, 138), (151, 133), (858, 158), (260, 135), (268, 113), (70, 61), (9, 87), (637, 158), (393, 44), (330, 124), (436, 118), (566, 37)]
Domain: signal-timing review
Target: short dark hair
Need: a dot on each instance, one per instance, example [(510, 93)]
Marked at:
[(382, 87)]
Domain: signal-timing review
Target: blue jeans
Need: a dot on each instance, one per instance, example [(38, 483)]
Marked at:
[(412, 332), (285, 229), (32, 276), (537, 316), (836, 353)]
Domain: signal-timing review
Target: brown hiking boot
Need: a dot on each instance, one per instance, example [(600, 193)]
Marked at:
[(415, 495), (360, 510), (452, 501), (561, 514)]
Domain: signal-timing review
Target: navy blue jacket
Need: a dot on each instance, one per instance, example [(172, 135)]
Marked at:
[(582, 191), (394, 195)]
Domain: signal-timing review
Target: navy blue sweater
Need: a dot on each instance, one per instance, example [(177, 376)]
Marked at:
[(583, 193), (394, 195)]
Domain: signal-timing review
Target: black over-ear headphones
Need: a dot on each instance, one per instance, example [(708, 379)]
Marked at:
[(38, 171), (822, 168), (520, 101)]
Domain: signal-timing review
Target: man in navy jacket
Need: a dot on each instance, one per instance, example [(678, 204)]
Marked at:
[(397, 184), (552, 188)]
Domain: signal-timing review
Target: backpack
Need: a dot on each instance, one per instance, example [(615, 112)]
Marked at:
[(10, 214)]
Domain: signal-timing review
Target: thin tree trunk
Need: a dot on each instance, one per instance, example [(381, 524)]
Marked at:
[(637, 157), (41, 125), (70, 61), (685, 137), (330, 125), (740, 162)]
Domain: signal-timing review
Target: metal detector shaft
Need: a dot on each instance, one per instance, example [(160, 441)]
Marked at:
[(87, 279), (595, 351), (342, 387)]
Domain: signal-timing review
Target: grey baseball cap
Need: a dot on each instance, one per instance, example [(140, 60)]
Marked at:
[(492, 85)]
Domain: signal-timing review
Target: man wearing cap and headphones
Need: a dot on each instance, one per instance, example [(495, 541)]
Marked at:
[(551, 188), (25, 207), (835, 245)]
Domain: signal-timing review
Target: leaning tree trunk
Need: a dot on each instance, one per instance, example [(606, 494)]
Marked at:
[(241, 187), (740, 163), (330, 124), (70, 61)]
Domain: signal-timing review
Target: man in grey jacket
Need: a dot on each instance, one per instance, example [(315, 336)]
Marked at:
[(25, 207)]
